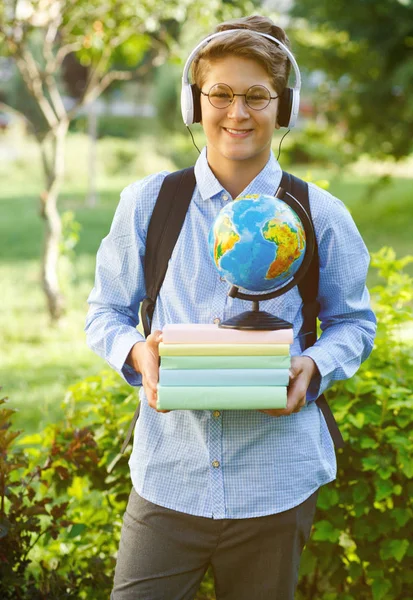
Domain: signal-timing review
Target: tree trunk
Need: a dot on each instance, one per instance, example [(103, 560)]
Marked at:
[(53, 231)]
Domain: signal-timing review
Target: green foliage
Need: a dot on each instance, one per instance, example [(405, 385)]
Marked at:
[(117, 126), (70, 233), (365, 49), (61, 503), (323, 146), (68, 242), (167, 96), (361, 543)]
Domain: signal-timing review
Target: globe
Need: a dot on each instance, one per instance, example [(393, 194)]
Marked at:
[(257, 242)]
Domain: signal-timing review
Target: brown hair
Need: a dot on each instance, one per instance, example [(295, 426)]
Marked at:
[(247, 45)]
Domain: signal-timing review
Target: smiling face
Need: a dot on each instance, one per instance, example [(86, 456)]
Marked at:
[(238, 132)]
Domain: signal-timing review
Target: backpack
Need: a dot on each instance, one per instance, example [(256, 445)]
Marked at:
[(163, 231)]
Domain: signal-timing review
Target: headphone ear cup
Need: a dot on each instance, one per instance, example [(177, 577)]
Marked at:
[(196, 99), (187, 108), (284, 108)]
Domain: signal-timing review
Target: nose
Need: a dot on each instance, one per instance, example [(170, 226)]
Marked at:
[(238, 108)]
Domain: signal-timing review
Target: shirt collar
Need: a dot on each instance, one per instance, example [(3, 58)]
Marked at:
[(266, 182)]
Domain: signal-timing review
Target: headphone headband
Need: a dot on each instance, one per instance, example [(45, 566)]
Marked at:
[(292, 98), (282, 46)]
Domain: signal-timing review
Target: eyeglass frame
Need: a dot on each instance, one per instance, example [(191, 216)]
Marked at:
[(234, 94)]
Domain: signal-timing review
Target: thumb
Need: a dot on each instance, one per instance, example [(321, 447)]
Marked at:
[(155, 338)]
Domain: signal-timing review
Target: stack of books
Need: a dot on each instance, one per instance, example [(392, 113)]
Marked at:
[(204, 367)]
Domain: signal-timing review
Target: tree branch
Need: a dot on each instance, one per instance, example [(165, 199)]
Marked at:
[(30, 73), (49, 38), (104, 83), (61, 54), (56, 98)]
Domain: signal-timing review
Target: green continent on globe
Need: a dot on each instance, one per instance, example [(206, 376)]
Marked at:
[(290, 242), (226, 237)]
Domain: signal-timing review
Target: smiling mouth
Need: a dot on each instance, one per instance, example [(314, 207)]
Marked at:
[(239, 132)]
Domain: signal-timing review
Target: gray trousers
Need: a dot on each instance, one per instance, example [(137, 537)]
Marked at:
[(164, 554)]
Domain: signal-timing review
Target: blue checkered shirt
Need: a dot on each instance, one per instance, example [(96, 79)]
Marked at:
[(241, 463)]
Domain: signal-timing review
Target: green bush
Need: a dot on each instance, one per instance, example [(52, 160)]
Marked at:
[(117, 126), (317, 145), (63, 491), (61, 502), (361, 544), (166, 96)]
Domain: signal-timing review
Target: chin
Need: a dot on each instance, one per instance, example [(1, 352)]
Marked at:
[(240, 155)]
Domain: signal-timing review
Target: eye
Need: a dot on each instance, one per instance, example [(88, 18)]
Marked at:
[(258, 94), (219, 94)]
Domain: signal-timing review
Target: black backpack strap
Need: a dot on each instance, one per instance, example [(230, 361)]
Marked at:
[(163, 231), (308, 288), (164, 228)]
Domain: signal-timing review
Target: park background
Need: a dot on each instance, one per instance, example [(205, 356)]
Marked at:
[(89, 102)]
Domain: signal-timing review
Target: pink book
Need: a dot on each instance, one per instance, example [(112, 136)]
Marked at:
[(195, 333)]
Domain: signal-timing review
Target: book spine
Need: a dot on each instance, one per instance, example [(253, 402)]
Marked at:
[(223, 349), (224, 377), (215, 335), (225, 362), (220, 398)]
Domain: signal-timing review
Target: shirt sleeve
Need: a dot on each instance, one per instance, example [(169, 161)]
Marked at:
[(119, 288), (347, 321)]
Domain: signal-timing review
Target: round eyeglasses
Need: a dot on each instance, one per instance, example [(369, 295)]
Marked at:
[(256, 97)]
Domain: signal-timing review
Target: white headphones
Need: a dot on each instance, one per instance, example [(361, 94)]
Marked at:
[(289, 100)]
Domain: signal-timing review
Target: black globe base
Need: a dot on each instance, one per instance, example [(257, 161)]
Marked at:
[(256, 319)]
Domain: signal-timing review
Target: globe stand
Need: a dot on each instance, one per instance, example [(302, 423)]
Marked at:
[(255, 319), (262, 320)]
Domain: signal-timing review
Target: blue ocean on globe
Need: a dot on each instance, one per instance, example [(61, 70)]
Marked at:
[(257, 242)]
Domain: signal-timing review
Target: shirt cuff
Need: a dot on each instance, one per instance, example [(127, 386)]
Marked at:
[(119, 354), (325, 366)]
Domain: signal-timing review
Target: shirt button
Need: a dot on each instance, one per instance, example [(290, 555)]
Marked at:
[(217, 321), (216, 413), (224, 197), (215, 464)]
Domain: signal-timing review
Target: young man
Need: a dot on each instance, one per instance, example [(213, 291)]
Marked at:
[(233, 489)]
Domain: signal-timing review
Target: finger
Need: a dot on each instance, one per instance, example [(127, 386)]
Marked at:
[(155, 338), (273, 412), (301, 404)]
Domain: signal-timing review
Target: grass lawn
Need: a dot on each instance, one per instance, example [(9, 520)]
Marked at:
[(39, 362)]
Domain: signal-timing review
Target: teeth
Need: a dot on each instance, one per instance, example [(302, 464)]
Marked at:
[(237, 130)]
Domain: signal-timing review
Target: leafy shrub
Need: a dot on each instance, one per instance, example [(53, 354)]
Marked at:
[(361, 544), (117, 126), (61, 503), (166, 96), (317, 145)]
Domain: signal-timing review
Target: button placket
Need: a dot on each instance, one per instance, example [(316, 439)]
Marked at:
[(215, 469)]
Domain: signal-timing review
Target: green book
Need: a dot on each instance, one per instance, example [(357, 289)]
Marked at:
[(224, 349), (225, 362), (221, 398)]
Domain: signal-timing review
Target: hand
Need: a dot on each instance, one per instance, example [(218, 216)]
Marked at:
[(302, 370), (144, 358)]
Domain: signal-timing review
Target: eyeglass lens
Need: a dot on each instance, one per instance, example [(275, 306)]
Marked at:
[(256, 97)]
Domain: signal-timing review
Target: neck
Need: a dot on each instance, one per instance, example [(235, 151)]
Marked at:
[(235, 175)]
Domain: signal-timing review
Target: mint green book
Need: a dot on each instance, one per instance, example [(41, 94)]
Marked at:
[(223, 377), (221, 398), (225, 362), (224, 349)]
